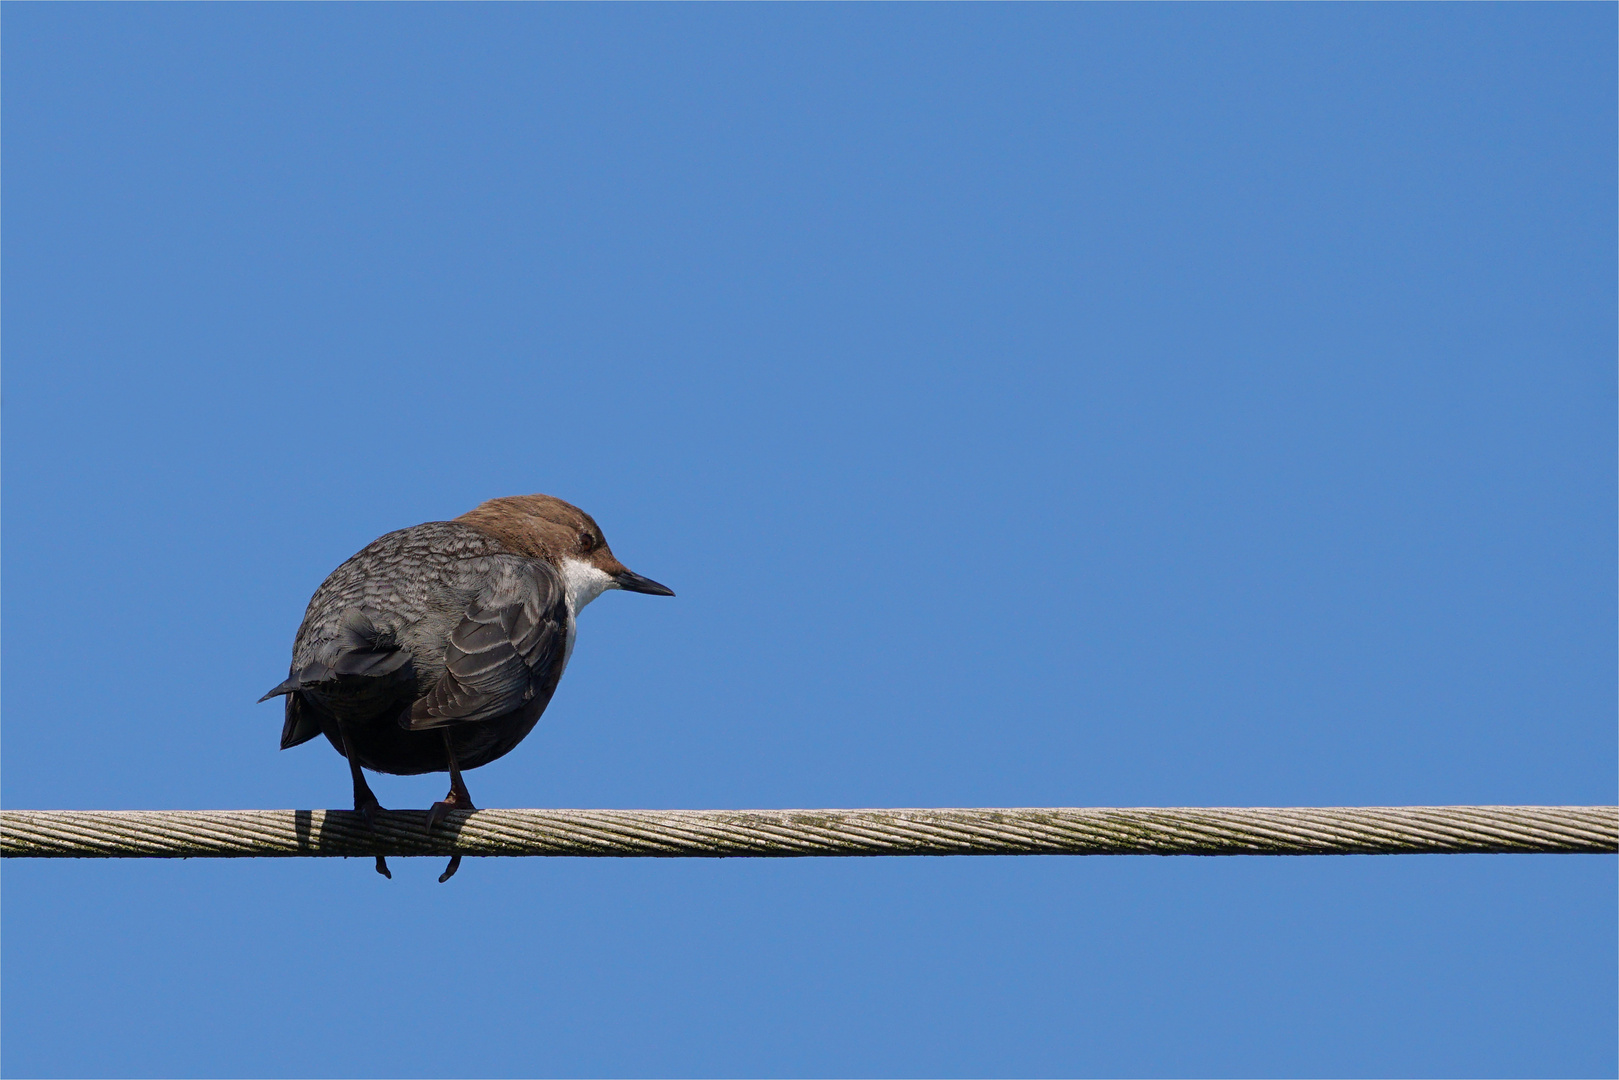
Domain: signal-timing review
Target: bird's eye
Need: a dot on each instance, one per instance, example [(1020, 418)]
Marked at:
[(590, 541)]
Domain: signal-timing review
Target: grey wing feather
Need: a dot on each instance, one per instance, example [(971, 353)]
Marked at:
[(361, 667), (358, 649), (508, 647)]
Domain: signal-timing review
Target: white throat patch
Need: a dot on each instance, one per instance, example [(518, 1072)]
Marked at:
[(583, 582)]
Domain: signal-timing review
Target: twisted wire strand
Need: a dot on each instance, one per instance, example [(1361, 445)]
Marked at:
[(1338, 830)]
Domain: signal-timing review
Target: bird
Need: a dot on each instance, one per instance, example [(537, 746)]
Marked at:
[(436, 648)]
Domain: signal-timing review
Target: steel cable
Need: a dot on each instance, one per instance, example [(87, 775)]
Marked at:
[(1343, 830)]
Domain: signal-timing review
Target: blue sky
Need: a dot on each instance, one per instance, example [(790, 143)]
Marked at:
[(1030, 405)]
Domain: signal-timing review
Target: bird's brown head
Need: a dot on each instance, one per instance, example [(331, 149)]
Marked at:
[(543, 527)]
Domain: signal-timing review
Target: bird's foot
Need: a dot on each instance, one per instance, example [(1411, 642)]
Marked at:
[(455, 800), (367, 806)]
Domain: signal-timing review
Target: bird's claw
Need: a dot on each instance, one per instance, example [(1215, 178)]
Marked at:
[(368, 809), (455, 800), (441, 809), (436, 812), (367, 806)]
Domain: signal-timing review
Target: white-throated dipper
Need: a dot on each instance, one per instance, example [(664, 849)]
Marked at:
[(438, 647)]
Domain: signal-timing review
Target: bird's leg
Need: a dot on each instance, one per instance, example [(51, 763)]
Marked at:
[(457, 799), (365, 801)]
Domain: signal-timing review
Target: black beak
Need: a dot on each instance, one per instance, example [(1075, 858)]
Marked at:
[(630, 581)]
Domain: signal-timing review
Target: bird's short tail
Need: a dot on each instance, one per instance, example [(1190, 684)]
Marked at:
[(300, 725)]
